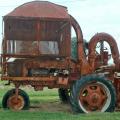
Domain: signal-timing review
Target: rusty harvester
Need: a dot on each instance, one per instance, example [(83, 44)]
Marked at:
[(36, 51)]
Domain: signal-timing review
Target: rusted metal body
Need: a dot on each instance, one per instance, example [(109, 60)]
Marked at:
[(38, 36), (38, 39)]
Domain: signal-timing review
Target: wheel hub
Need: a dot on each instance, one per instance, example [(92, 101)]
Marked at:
[(93, 97), (15, 103)]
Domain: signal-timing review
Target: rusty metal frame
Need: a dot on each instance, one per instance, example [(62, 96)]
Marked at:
[(83, 66)]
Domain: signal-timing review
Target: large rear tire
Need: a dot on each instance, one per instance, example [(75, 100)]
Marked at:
[(9, 100), (93, 93)]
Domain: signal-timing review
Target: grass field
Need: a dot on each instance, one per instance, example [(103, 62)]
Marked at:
[(45, 105)]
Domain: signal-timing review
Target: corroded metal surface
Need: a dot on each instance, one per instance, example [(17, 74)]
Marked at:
[(93, 97), (40, 9), (37, 35), (113, 46), (84, 66), (16, 104)]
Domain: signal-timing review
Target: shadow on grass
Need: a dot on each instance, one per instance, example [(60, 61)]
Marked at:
[(53, 106)]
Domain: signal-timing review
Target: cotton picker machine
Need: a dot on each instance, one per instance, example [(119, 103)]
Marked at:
[(36, 51)]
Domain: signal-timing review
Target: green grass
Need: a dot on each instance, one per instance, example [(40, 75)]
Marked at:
[(45, 105), (38, 115)]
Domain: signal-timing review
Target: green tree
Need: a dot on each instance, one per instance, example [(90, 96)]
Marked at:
[(74, 47)]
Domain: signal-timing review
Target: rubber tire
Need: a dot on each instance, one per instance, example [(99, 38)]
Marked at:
[(77, 85), (64, 95), (12, 92)]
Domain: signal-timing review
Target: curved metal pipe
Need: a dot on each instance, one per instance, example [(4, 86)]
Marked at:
[(79, 35), (112, 43), (84, 66)]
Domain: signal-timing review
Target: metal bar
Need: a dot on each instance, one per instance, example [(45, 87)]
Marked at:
[(29, 78), (26, 55)]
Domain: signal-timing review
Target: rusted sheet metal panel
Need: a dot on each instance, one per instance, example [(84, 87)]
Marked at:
[(40, 9), (17, 29), (50, 38), (49, 30), (30, 36)]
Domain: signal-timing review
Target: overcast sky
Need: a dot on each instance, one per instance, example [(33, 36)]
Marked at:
[(92, 15)]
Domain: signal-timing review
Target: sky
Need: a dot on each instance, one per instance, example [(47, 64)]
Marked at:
[(93, 16)]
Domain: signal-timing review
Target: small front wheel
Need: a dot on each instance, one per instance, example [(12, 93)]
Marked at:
[(93, 93), (10, 101)]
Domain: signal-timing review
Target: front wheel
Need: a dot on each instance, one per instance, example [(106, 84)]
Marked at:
[(93, 93), (11, 102)]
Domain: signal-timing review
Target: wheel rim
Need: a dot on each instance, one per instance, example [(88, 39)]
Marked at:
[(15, 103), (94, 97)]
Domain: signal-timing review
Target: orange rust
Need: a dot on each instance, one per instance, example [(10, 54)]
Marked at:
[(62, 81), (93, 97), (38, 36), (29, 78), (15, 104)]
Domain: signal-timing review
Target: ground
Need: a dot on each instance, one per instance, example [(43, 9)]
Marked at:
[(45, 105)]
